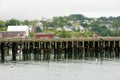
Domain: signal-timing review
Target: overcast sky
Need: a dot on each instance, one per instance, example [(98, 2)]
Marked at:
[(37, 9)]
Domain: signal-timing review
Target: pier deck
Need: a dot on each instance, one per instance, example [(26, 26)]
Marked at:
[(68, 47)]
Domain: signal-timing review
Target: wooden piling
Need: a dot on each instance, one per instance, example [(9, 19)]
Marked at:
[(2, 52), (14, 51), (69, 48)]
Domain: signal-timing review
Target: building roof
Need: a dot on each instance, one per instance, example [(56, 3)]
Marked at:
[(19, 28), (44, 33)]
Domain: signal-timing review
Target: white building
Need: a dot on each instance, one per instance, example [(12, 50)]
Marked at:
[(67, 28), (81, 28), (59, 29), (109, 27), (19, 28)]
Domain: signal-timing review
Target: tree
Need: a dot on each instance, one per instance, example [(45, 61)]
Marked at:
[(3, 29), (34, 22), (65, 34), (88, 34), (31, 34), (116, 25), (59, 21), (76, 17), (38, 29), (2, 24), (26, 22), (13, 22)]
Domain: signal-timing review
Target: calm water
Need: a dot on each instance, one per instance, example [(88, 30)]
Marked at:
[(107, 69)]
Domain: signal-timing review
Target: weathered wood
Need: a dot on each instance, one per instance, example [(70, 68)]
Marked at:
[(2, 52), (69, 47), (14, 51)]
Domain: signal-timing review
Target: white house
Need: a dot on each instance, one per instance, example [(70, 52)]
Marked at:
[(19, 28), (109, 27), (67, 28), (81, 28), (59, 29)]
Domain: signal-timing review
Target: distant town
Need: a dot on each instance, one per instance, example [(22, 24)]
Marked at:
[(74, 25)]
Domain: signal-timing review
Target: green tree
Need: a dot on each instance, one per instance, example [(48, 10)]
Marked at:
[(116, 25), (3, 29), (88, 34), (2, 24), (45, 25), (31, 34), (65, 34), (76, 17), (59, 21), (34, 22), (13, 22), (38, 30), (26, 22)]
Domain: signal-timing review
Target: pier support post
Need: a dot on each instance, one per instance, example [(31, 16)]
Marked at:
[(14, 51), (2, 52)]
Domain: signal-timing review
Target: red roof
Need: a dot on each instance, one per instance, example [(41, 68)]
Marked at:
[(44, 35)]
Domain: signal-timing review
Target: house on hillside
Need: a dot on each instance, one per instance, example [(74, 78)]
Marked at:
[(80, 28), (109, 27), (67, 28), (59, 29), (19, 29)]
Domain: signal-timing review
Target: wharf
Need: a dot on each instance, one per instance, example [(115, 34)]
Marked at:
[(71, 47)]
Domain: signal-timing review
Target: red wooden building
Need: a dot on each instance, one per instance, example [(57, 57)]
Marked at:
[(13, 34), (44, 35)]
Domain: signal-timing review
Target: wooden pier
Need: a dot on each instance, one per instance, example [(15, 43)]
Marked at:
[(68, 48)]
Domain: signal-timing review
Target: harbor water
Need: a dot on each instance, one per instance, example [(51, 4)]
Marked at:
[(90, 69)]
